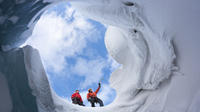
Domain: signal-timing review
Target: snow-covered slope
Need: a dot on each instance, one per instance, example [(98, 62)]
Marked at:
[(156, 74), (17, 95)]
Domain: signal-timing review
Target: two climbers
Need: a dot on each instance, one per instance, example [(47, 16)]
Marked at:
[(91, 97)]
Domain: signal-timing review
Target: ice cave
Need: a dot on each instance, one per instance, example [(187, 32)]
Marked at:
[(156, 42)]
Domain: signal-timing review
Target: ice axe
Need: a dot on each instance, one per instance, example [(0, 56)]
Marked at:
[(100, 81)]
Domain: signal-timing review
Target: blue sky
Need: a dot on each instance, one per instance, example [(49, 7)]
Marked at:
[(73, 52)]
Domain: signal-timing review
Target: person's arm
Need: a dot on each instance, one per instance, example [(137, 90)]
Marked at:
[(98, 88), (88, 96), (81, 99), (73, 95)]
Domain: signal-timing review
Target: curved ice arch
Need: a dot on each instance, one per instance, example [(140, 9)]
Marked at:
[(17, 19), (151, 53), (146, 57)]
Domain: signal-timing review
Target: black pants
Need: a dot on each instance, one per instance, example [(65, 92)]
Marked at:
[(77, 101), (93, 100)]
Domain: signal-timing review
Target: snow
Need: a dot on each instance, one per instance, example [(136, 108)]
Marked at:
[(194, 107), (38, 80), (110, 12), (151, 44), (146, 56)]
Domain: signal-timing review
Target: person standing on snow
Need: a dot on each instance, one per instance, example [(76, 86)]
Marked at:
[(92, 97), (76, 98)]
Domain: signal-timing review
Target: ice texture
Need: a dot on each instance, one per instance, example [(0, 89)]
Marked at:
[(17, 16), (158, 51)]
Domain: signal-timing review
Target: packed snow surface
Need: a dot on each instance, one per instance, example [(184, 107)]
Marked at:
[(139, 36)]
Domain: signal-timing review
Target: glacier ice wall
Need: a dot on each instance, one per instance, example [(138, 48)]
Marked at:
[(139, 36), (13, 73), (17, 18)]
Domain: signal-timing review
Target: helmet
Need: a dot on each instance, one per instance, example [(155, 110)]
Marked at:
[(89, 90), (77, 90)]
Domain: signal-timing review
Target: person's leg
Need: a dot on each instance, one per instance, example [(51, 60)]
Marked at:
[(74, 101), (80, 103), (92, 104), (91, 100), (100, 102)]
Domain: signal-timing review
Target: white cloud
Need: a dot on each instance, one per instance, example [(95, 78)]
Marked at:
[(48, 36), (57, 39), (92, 70)]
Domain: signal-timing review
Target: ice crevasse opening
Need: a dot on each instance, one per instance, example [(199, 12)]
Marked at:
[(146, 55)]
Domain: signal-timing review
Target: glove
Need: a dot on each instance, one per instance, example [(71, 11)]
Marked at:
[(99, 84)]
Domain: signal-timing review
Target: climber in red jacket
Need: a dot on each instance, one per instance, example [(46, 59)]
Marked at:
[(92, 97), (76, 98)]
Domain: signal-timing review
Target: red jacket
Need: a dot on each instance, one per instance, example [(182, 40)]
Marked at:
[(93, 94), (76, 95)]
